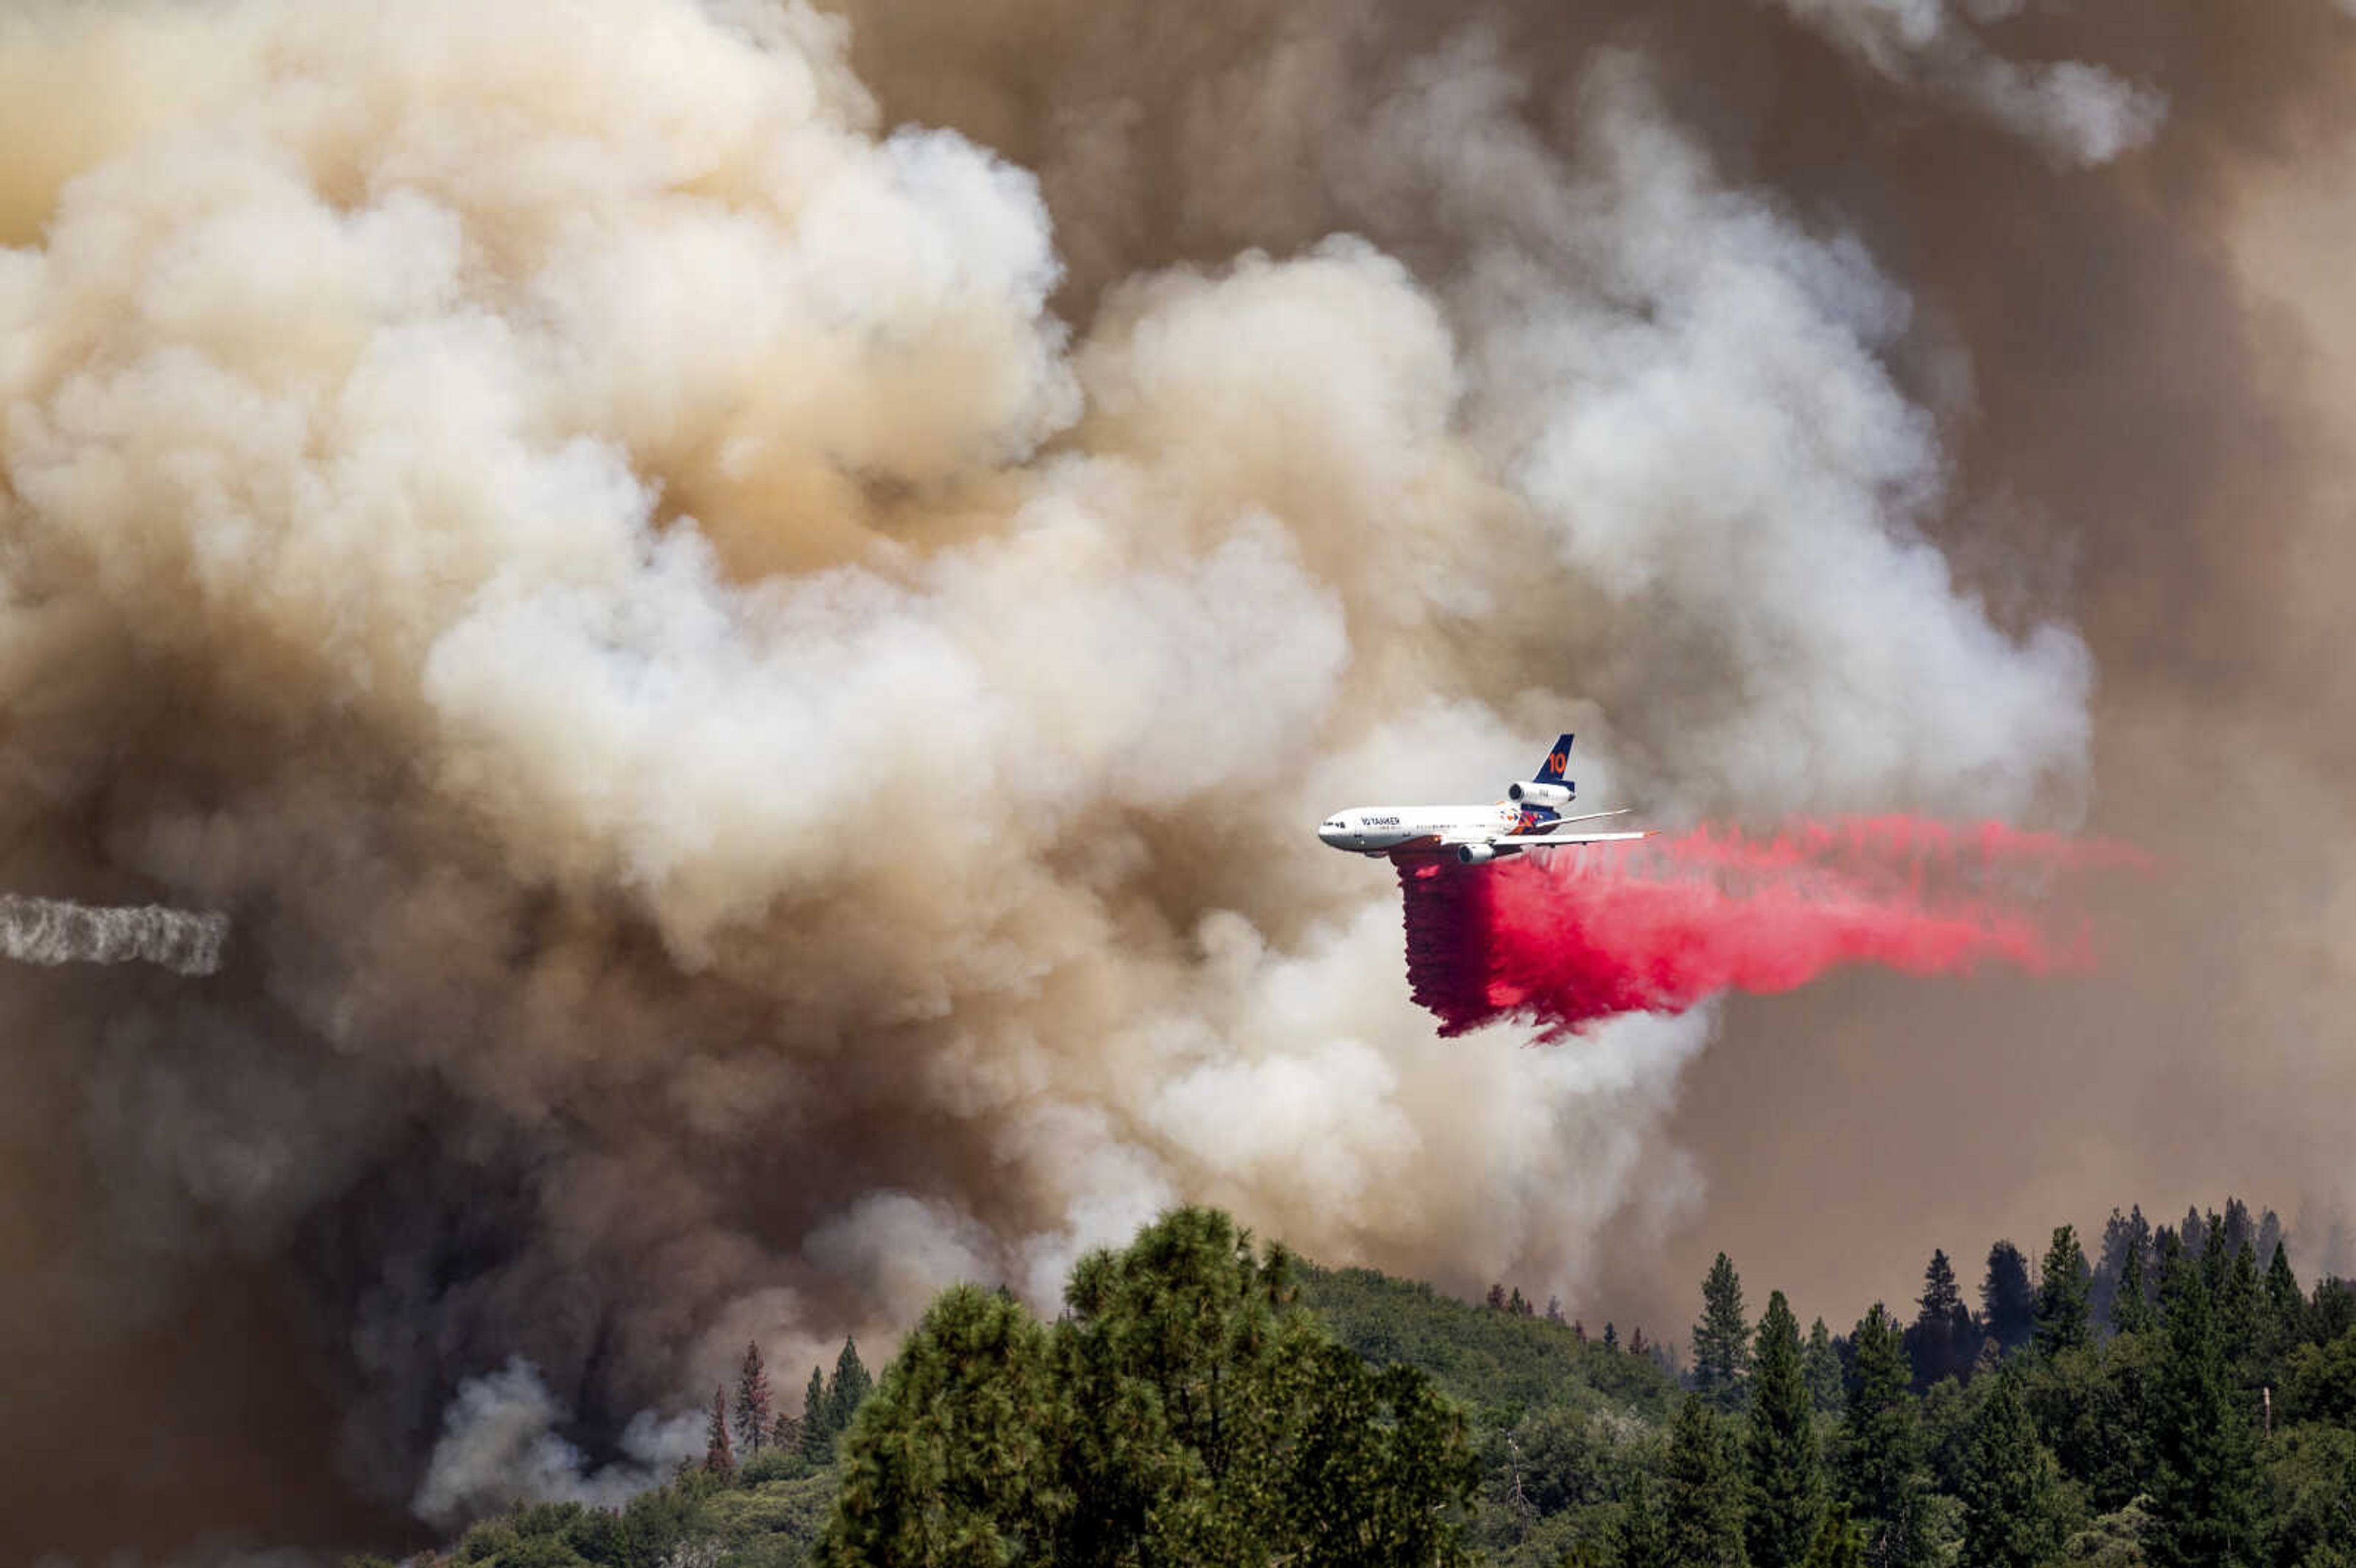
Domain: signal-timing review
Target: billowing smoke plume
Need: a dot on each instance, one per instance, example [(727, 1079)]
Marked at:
[(757, 686), (53, 931), (1572, 937)]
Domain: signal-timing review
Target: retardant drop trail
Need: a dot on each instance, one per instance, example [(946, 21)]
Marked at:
[(1573, 936)]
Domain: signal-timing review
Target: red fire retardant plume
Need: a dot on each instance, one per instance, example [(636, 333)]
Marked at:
[(1565, 937)]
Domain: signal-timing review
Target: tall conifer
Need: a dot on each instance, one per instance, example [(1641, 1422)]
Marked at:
[(2121, 1233), (848, 1388), (2012, 1486), (818, 1436), (753, 1419), (1822, 1362), (717, 1456), (1882, 1466), (2131, 1301), (2061, 1293), (1721, 1338), (2241, 1310), (2284, 1316), (2204, 1481), (1640, 1536), (1943, 1341), (1701, 1491), (1786, 1476), (2008, 1303)]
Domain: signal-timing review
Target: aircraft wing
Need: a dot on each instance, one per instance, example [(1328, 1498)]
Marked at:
[(1541, 840)]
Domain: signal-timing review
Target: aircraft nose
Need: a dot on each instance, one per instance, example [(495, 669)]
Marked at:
[(1332, 831)]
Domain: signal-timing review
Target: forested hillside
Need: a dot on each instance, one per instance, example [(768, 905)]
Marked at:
[(2180, 1399)]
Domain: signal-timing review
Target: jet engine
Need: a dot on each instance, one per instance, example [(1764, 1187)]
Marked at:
[(1548, 794), (1476, 854)]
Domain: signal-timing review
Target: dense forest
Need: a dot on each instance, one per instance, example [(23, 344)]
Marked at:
[(2179, 1400)]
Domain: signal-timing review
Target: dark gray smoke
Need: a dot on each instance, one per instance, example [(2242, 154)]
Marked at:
[(755, 684)]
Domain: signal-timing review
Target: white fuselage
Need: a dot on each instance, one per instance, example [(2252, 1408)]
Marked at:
[(1387, 829)]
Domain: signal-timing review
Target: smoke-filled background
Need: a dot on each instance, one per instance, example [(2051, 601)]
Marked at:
[(751, 612)]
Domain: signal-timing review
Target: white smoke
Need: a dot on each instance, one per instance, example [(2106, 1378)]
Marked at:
[(55, 930), (1687, 388), (499, 1447), (2083, 114), (801, 773)]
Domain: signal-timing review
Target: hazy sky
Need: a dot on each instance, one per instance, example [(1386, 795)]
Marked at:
[(750, 613)]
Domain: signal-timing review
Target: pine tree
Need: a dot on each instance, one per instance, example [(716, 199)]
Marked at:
[(2204, 1481), (785, 1433), (2239, 1308), (1701, 1491), (848, 1388), (2121, 1233), (2330, 1311), (1640, 1536), (2270, 1234), (1941, 1341), (1496, 1298), (2191, 1233), (1881, 1465), (1207, 1419), (1721, 1338), (1516, 1304), (2131, 1302), (969, 1473), (2061, 1293), (753, 1401), (818, 1436), (2175, 1272), (2012, 1486), (717, 1456), (2240, 1232), (1610, 1336), (2284, 1316), (2215, 1258), (1786, 1492), (1554, 1310), (1821, 1360), (2007, 1304)]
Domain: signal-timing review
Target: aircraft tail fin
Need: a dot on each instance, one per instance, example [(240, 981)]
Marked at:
[(1557, 765)]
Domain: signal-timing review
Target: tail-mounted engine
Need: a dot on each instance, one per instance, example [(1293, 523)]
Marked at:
[(1547, 795)]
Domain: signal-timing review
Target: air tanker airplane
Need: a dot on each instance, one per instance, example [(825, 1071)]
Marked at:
[(1528, 818)]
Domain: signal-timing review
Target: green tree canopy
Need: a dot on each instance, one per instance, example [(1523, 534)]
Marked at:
[(2131, 1300), (953, 1462), (1786, 1476), (1721, 1337), (1182, 1411), (1640, 1536), (2203, 1480), (1943, 1341), (2007, 1301), (1822, 1363), (2062, 1287), (2013, 1509), (1701, 1490), (848, 1388), (1882, 1466)]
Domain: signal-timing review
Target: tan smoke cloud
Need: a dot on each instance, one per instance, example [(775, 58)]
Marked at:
[(757, 684)]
